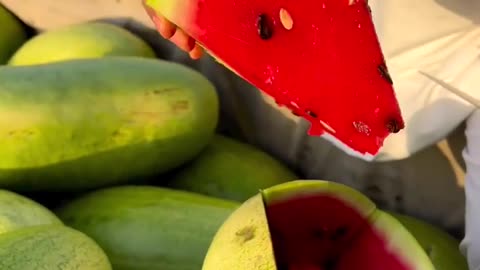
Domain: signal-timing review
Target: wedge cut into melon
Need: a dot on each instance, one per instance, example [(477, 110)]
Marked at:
[(319, 58), (313, 225)]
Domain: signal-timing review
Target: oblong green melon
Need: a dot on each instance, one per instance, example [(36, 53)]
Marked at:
[(50, 247), (17, 212), (32, 238), (146, 228), (232, 170), (82, 124), (12, 34), (80, 41), (313, 225)]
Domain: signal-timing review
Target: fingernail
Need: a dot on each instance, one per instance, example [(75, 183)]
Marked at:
[(196, 52)]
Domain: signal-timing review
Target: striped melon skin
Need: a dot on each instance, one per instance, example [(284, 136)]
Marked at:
[(147, 227), (32, 237), (87, 123), (80, 41)]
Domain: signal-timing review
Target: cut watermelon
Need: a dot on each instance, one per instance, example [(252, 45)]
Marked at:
[(313, 225), (319, 58)]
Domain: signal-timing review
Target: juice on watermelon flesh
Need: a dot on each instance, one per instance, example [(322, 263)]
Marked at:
[(323, 233), (326, 66)]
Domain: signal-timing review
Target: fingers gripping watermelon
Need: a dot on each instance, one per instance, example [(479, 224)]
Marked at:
[(319, 58)]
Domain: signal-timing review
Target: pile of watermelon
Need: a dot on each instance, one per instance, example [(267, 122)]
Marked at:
[(112, 158)]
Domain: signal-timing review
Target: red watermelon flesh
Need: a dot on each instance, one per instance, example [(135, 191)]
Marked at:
[(323, 233), (319, 58)]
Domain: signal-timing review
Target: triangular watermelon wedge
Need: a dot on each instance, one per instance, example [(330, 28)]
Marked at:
[(320, 58)]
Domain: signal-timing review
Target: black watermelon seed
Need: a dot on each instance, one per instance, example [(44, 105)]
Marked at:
[(295, 113), (282, 266), (393, 126), (264, 27), (339, 233), (312, 114), (368, 8), (330, 264), (384, 73)]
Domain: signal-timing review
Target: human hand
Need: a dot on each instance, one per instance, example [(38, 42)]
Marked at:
[(177, 36)]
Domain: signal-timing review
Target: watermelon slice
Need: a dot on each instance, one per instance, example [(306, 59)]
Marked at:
[(319, 58), (313, 225)]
